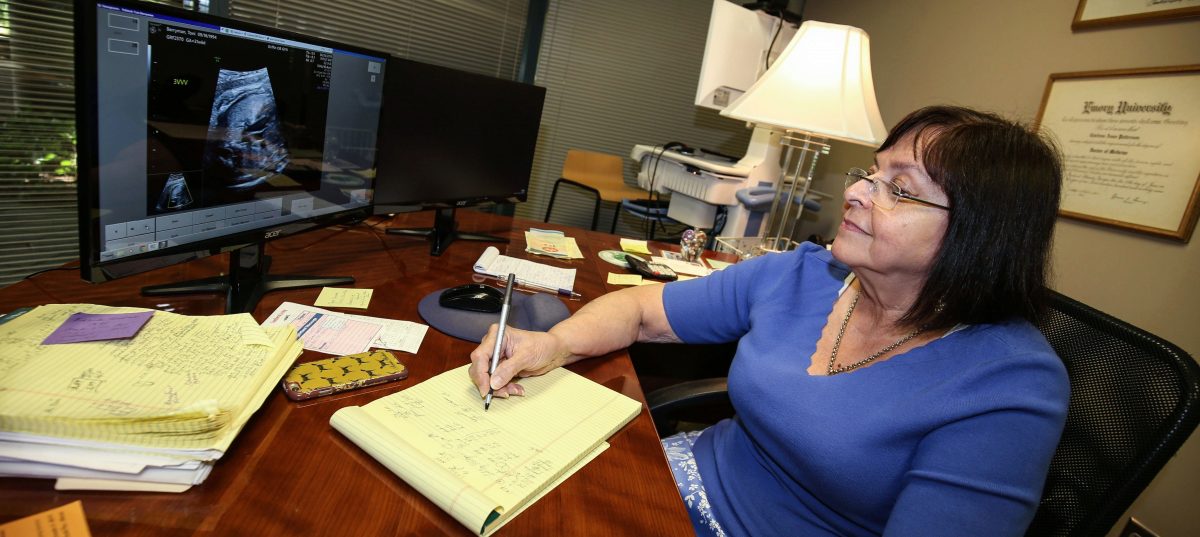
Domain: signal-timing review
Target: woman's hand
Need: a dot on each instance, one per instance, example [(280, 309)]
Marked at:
[(523, 354)]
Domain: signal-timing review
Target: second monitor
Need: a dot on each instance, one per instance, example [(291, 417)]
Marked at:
[(451, 139)]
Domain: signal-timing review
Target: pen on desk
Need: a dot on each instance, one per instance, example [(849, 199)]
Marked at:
[(508, 288), (559, 291), (539, 287)]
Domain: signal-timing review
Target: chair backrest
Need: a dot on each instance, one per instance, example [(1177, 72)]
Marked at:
[(1133, 403), (598, 170)]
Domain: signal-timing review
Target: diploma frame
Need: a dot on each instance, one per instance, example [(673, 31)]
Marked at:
[(1184, 181), (1093, 13)]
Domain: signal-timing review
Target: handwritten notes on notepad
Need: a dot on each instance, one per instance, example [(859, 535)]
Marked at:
[(528, 272), (483, 468), (67, 520), (342, 297), (183, 382)]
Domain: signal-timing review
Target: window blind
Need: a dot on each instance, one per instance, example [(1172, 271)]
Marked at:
[(478, 36), (37, 133)]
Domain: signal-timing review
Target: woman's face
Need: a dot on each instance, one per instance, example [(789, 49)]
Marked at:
[(899, 243)]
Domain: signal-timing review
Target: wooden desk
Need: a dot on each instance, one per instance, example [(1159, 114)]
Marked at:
[(290, 473)]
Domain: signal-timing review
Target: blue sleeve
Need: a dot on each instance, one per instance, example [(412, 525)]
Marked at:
[(716, 308), (719, 307), (983, 475)]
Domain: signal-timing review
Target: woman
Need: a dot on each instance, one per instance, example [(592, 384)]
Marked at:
[(893, 385)]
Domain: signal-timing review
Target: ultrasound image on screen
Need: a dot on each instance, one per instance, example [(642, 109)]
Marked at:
[(245, 146), (234, 125)]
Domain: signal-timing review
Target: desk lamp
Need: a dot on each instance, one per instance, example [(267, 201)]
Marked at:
[(819, 88)]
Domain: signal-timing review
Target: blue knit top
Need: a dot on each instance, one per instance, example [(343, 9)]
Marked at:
[(951, 438)]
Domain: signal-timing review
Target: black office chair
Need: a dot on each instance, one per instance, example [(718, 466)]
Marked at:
[(1134, 400)]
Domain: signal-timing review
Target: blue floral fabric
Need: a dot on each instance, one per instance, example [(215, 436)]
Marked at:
[(678, 449)]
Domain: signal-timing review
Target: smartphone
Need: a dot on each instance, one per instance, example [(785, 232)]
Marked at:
[(341, 373), (657, 271)]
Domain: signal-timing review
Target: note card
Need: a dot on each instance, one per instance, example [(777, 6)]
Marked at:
[(342, 297), (80, 327), (624, 279), (635, 246), (65, 520), (717, 264)]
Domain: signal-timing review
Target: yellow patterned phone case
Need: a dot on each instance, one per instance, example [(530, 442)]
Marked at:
[(332, 375)]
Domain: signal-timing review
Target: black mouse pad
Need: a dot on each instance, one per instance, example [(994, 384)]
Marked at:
[(537, 311)]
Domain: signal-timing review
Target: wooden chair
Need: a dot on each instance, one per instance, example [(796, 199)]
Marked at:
[(601, 175)]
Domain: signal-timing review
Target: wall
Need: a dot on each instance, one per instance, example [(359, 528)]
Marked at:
[(997, 56), (620, 73)]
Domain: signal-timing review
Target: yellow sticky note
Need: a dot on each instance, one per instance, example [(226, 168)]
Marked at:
[(634, 246), (624, 279), (717, 265), (65, 520), (341, 297), (684, 277)]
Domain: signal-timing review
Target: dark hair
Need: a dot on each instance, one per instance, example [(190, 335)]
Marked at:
[(1003, 182)]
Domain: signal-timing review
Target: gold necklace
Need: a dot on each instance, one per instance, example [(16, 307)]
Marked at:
[(831, 370)]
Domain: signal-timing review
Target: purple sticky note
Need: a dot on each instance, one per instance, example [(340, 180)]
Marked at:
[(80, 327)]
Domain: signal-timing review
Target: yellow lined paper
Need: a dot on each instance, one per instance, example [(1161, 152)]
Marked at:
[(183, 382), (471, 463)]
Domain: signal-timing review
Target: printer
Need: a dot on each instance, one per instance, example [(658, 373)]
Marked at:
[(701, 183)]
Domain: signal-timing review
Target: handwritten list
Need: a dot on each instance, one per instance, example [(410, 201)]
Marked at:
[(182, 382), (471, 463)]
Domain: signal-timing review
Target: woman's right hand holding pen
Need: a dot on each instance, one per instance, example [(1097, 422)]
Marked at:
[(610, 322), (522, 354)]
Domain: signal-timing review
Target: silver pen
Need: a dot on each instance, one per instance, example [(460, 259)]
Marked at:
[(508, 288)]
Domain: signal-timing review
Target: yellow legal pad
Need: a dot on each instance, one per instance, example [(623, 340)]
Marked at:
[(483, 468), (182, 383)]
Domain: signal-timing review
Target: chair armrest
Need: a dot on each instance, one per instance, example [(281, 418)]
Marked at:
[(704, 400)]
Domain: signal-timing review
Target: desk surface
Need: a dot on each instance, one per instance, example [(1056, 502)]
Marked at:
[(290, 473)]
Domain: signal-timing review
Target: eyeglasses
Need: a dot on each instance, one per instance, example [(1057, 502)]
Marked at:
[(885, 194)]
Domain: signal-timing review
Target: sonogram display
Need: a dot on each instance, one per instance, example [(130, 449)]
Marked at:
[(207, 130)]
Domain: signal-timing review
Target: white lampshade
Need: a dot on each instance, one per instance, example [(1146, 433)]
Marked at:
[(820, 84)]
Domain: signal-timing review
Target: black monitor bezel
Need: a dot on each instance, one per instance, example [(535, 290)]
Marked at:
[(87, 150)]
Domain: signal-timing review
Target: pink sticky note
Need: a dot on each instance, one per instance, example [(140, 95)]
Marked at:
[(81, 327)]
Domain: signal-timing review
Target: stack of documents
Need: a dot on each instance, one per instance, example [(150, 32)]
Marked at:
[(152, 412), (336, 333), (492, 263), (552, 243)]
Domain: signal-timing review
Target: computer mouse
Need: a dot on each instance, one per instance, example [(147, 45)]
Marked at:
[(472, 297)]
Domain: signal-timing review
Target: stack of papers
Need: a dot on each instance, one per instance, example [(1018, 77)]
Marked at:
[(152, 412), (551, 243), (341, 334), (528, 273), (690, 268)]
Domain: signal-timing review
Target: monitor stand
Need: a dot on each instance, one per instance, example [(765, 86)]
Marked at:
[(443, 232), (246, 282)]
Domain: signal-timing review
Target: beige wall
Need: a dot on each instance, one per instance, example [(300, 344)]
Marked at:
[(997, 56)]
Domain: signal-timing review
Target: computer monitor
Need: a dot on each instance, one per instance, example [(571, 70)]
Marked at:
[(741, 43), (199, 135), (453, 139)]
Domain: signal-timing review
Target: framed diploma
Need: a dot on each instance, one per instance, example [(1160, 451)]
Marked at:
[(1092, 13), (1130, 141)]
